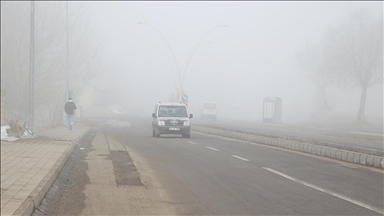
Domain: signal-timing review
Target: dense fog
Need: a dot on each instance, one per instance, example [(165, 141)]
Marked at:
[(309, 54)]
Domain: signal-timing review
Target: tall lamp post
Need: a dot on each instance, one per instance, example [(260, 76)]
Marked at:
[(201, 40), (173, 55), (170, 66), (181, 81), (31, 68), (66, 94), (67, 65)]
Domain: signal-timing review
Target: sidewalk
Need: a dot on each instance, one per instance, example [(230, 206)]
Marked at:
[(30, 166)]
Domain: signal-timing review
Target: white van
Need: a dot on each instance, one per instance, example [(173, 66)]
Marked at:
[(208, 109), (171, 118)]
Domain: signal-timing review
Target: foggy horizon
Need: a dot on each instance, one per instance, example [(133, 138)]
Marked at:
[(252, 58)]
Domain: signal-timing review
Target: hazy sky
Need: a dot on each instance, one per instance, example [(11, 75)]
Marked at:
[(237, 65)]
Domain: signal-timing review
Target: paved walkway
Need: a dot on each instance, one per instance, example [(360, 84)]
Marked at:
[(30, 166)]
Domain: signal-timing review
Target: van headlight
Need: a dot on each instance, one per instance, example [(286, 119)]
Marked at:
[(186, 123), (161, 123)]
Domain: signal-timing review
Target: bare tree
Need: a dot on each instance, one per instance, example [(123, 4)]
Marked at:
[(354, 51), (15, 57), (312, 61), (50, 57)]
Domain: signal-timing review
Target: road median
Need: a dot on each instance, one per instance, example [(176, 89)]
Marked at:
[(366, 157)]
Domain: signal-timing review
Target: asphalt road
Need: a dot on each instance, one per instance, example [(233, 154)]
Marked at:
[(291, 132), (209, 175)]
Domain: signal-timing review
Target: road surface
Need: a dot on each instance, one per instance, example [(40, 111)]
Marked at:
[(210, 175)]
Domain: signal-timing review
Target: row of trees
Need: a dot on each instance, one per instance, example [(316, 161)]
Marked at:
[(351, 55), (50, 57)]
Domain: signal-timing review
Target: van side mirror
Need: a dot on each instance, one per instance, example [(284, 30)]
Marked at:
[(190, 116), (153, 115)]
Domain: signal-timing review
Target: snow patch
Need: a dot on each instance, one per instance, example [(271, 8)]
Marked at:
[(4, 134), (6, 137)]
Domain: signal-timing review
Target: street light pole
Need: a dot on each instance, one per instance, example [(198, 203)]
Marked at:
[(173, 55), (170, 67), (31, 68), (181, 82), (201, 40), (67, 65)]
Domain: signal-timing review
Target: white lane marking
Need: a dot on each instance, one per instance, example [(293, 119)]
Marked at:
[(241, 158), (291, 151), (361, 204), (192, 142), (212, 148)]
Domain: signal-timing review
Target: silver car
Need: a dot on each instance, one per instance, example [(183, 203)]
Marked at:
[(171, 118)]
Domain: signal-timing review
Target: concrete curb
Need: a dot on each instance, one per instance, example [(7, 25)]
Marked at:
[(364, 159), (35, 198)]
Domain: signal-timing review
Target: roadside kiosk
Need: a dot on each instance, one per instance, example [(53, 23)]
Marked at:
[(272, 108)]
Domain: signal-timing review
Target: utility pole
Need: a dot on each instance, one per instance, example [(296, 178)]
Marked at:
[(67, 83), (31, 67)]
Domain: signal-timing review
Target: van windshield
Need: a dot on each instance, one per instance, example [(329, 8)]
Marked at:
[(172, 111), (210, 106)]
